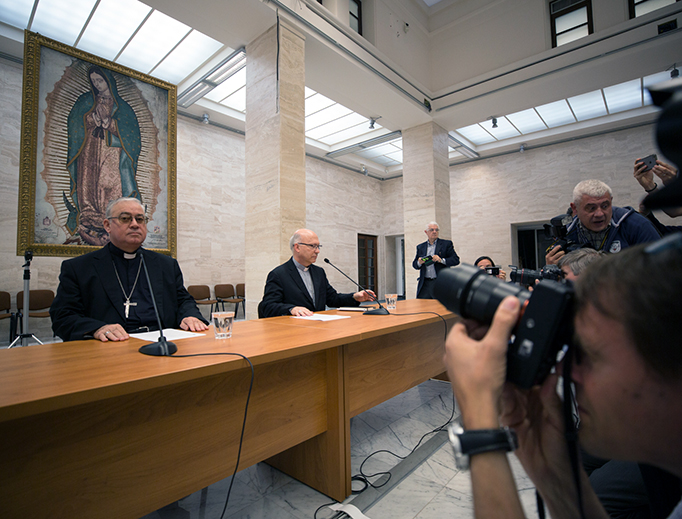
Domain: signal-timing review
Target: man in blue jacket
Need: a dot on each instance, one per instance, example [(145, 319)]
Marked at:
[(599, 224), (432, 255)]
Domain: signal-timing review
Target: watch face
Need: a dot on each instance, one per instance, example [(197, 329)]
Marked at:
[(461, 459)]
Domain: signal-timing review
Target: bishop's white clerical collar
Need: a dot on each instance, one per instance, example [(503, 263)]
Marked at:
[(299, 266), (129, 256)]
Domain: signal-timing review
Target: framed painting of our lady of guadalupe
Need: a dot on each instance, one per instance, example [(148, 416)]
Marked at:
[(92, 131)]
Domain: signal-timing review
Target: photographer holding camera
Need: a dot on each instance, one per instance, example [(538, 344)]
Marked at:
[(600, 225), (486, 263), (627, 375)]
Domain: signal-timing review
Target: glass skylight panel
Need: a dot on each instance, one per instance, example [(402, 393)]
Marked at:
[(324, 116), (527, 121), (316, 102), (475, 134), (653, 80), (63, 23), (236, 101), (228, 87), (384, 161), (504, 129), (556, 114), (16, 12), (377, 151), (348, 133), (352, 119), (118, 19), (195, 49), (588, 106), (155, 39), (625, 96), (396, 155)]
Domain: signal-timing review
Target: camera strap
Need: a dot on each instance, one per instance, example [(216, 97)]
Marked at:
[(570, 433)]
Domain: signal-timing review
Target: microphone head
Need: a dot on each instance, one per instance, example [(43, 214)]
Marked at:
[(326, 260)]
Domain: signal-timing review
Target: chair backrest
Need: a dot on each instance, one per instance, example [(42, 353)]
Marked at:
[(5, 301), (199, 292), (224, 291), (37, 299), (241, 290)]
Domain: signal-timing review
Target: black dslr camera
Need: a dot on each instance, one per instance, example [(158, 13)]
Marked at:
[(557, 229), (529, 277), (544, 328)]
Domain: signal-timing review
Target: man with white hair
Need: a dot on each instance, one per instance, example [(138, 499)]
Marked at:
[(432, 255), (599, 224), (299, 288)]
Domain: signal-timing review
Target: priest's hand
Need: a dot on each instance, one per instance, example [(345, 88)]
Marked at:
[(111, 332), (192, 324)]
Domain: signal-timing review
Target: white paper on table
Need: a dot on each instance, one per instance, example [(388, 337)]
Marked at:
[(169, 333), (321, 317)]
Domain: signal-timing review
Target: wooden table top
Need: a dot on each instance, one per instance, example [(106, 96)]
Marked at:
[(49, 377)]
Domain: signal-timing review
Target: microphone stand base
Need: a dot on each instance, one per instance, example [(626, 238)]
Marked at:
[(162, 348), (377, 311)]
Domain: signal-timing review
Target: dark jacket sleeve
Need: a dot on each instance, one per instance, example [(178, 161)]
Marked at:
[(273, 303), (68, 310), (450, 256), (420, 253), (336, 300)]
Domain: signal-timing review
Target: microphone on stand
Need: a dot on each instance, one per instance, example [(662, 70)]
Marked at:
[(161, 348), (377, 311)]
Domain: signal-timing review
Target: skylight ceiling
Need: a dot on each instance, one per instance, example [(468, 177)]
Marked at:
[(137, 36), (591, 105)]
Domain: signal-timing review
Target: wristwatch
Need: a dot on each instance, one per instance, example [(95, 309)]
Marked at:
[(467, 443)]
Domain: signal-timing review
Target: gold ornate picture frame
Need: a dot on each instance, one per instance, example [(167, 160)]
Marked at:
[(92, 131)]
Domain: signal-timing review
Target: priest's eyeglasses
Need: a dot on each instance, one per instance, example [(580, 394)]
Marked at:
[(314, 247), (127, 218)]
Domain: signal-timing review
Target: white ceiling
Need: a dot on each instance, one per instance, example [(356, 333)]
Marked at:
[(366, 84)]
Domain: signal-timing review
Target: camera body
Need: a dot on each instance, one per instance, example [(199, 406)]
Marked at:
[(529, 277), (544, 328), (557, 230), (493, 271)]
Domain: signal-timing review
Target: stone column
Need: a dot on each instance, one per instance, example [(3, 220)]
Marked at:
[(426, 191), (275, 153)]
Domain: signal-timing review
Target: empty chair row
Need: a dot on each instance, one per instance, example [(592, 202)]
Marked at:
[(224, 293)]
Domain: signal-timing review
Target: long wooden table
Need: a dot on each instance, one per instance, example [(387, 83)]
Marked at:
[(90, 429)]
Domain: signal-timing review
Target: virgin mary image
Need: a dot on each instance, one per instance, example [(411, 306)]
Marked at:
[(104, 144)]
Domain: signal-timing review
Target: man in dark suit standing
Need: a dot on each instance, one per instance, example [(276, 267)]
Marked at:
[(104, 295), (432, 255), (298, 287)]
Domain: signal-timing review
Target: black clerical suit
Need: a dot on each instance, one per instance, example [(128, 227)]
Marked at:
[(90, 296), (444, 249), (284, 289)]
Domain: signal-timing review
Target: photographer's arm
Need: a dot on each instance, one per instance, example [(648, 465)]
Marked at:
[(536, 416), (477, 372)]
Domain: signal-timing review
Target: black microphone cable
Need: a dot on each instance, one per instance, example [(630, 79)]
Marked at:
[(246, 409)]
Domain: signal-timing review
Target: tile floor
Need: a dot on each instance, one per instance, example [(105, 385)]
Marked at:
[(428, 489)]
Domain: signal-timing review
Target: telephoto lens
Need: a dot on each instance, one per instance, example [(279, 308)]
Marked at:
[(471, 293), (544, 328)]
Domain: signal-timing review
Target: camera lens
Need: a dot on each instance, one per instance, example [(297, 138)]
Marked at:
[(471, 293)]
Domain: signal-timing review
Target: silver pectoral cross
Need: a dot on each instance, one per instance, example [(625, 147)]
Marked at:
[(128, 304)]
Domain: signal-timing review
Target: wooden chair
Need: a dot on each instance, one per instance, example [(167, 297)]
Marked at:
[(202, 296), (39, 302), (241, 292), (225, 294), (5, 304)]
